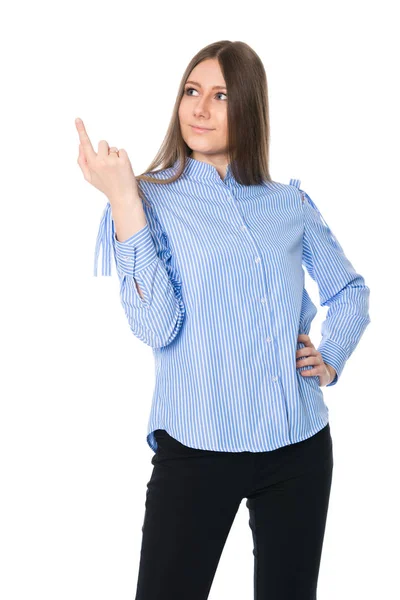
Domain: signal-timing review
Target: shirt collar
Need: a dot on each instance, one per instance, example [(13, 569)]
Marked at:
[(198, 169)]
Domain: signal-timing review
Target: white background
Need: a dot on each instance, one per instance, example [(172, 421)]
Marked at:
[(76, 384)]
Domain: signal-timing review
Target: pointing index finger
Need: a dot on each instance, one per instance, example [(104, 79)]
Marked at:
[(84, 139)]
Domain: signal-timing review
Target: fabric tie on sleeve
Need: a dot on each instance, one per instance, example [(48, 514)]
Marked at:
[(105, 238), (295, 182)]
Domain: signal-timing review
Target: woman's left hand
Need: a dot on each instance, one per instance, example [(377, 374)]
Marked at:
[(326, 373)]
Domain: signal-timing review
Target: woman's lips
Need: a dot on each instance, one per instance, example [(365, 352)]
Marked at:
[(200, 129)]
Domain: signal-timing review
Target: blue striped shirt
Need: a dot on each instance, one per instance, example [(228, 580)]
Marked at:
[(220, 266)]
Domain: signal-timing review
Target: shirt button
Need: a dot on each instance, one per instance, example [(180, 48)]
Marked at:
[(258, 259), (269, 339), (243, 227), (275, 378), (263, 300)]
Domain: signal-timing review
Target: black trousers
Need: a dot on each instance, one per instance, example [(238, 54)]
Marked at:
[(191, 501)]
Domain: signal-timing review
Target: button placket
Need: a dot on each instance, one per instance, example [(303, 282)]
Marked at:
[(264, 299)]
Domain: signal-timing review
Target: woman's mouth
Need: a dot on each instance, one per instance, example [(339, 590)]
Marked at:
[(200, 129)]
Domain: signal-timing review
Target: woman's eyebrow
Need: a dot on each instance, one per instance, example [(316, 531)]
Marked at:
[(215, 87)]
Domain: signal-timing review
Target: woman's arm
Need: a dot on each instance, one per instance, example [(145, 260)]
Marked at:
[(150, 288), (341, 288)]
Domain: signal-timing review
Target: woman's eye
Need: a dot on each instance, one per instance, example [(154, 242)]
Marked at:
[(189, 89)]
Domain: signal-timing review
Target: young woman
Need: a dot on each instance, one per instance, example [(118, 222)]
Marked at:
[(209, 252)]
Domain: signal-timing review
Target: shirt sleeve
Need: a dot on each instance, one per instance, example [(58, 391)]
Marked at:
[(341, 288), (144, 258)]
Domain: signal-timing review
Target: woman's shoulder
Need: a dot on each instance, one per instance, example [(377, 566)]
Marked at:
[(158, 194), (159, 174), (286, 188)]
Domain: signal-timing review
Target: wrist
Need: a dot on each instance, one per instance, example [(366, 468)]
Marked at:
[(332, 372), (124, 202), (129, 217), (127, 205)]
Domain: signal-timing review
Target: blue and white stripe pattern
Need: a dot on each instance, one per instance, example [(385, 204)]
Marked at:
[(220, 265)]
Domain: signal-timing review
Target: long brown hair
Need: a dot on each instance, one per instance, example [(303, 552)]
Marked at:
[(248, 117)]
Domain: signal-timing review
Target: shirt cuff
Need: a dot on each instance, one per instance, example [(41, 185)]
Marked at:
[(132, 255), (333, 355), (135, 253)]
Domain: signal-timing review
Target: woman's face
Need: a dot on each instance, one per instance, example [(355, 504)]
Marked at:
[(206, 107)]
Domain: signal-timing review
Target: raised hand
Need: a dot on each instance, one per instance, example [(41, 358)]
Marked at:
[(109, 170)]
